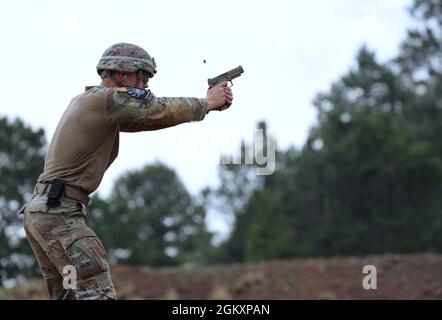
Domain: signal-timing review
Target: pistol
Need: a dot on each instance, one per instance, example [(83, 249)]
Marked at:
[(227, 76)]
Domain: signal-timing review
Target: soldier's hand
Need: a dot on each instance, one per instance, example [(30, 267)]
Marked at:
[(218, 96)]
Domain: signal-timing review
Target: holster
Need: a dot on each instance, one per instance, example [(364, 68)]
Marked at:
[(55, 193)]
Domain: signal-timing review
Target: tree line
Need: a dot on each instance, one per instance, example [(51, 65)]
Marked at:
[(367, 180)]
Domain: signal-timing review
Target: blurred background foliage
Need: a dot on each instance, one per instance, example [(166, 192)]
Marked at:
[(367, 181)]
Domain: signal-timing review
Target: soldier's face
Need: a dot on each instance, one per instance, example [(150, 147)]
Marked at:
[(130, 79)]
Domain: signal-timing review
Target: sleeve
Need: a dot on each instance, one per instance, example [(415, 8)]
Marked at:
[(137, 110)]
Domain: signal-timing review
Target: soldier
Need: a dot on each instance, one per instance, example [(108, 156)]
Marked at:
[(84, 145)]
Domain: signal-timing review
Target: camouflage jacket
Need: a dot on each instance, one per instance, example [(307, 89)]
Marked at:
[(86, 140)]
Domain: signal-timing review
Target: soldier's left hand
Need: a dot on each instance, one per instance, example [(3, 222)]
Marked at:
[(228, 96), (219, 96)]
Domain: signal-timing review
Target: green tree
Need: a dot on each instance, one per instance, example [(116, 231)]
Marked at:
[(151, 219), (420, 68), (22, 151), (240, 194), (369, 176)]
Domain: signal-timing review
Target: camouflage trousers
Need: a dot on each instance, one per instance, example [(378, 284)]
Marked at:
[(64, 246)]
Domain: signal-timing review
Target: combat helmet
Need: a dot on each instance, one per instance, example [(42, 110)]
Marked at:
[(127, 57)]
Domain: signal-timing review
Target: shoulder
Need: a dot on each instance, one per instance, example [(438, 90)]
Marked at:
[(130, 97), (130, 92), (95, 92), (122, 92), (92, 99), (140, 94)]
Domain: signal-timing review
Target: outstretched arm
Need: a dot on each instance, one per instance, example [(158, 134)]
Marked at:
[(139, 110)]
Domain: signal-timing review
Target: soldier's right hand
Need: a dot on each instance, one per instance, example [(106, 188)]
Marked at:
[(219, 96)]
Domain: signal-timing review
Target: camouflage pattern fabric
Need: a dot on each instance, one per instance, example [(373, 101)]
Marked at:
[(59, 237), (134, 111), (127, 57)]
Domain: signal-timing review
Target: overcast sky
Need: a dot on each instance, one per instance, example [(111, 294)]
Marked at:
[(290, 50)]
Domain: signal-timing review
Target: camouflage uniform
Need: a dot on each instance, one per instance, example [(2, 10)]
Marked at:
[(59, 237), (83, 147)]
